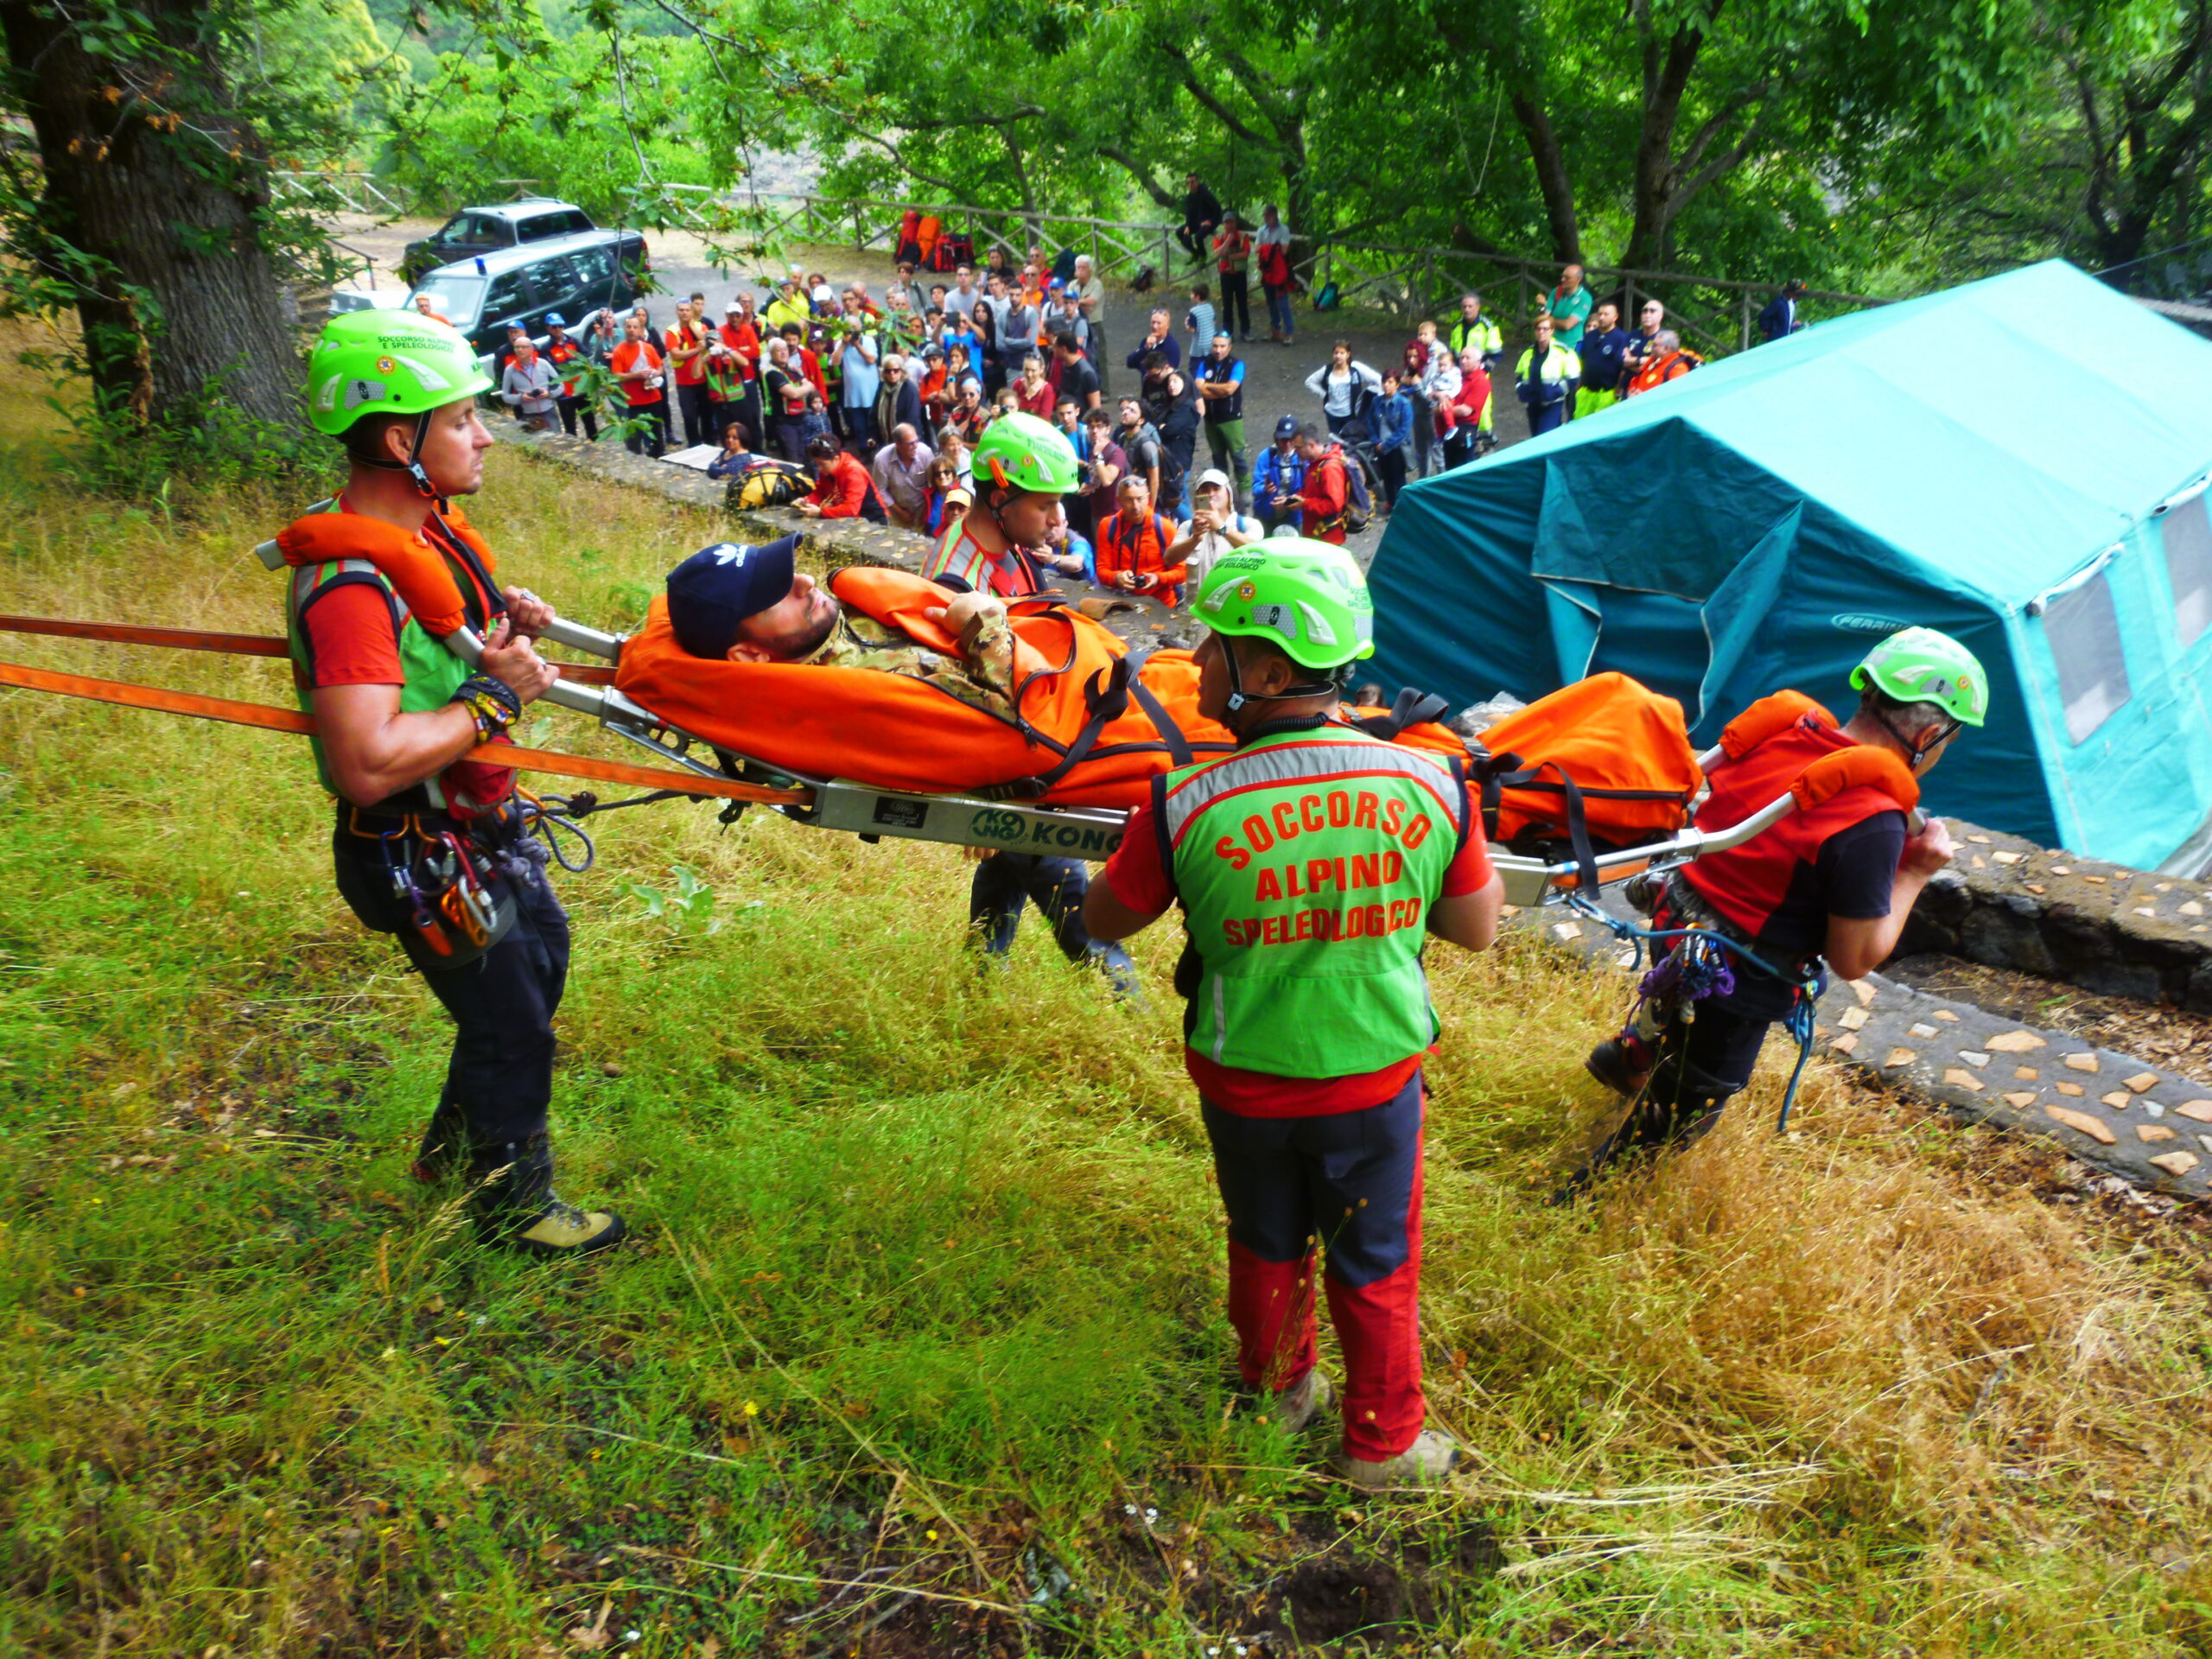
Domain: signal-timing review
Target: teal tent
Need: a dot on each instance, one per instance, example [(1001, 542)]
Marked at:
[(2021, 462)]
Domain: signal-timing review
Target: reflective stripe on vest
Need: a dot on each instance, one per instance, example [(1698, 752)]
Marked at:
[(958, 554), (1747, 883), (1306, 864)]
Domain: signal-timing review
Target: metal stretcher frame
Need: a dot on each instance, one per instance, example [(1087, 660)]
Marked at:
[(840, 803), (1064, 832)]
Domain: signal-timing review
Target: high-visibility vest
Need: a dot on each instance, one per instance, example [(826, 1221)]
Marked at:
[(430, 672), (958, 554), (1306, 863), (561, 354), (1481, 334)]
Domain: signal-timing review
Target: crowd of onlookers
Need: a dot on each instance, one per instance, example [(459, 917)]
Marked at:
[(878, 401)]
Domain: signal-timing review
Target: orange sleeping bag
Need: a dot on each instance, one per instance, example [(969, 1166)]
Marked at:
[(1091, 733), (1085, 736), (1605, 759)]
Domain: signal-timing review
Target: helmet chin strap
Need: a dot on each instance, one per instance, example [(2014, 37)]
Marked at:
[(1920, 751), (413, 464), (1238, 697)]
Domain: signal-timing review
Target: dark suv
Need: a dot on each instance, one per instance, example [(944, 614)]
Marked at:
[(573, 276), (487, 230)]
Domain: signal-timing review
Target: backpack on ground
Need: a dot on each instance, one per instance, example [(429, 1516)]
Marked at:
[(1142, 281), (770, 484), (1064, 267), (1327, 297)]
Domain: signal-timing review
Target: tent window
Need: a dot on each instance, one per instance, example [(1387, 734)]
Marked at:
[(2189, 568), (2083, 630)]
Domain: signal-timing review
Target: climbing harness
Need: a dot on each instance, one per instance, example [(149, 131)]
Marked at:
[(1700, 964)]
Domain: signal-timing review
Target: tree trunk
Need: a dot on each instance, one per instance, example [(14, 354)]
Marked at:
[(1553, 181), (1655, 186), (164, 195)]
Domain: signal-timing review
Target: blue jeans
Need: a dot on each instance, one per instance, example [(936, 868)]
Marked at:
[(1280, 317), (1004, 884)]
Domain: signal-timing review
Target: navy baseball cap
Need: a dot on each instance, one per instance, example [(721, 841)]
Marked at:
[(1287, 427), (718, 587)]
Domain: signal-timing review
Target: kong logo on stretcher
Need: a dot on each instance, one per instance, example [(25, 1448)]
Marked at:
[(1008, 829)]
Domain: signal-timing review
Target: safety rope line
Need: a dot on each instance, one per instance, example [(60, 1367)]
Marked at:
[(232, 644), (270, 719), (1798, 1022)]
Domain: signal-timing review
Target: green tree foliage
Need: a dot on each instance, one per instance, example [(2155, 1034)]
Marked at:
[(593, 115)]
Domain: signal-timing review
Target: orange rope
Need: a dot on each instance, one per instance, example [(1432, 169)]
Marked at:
[(235, 645), (270, 719)]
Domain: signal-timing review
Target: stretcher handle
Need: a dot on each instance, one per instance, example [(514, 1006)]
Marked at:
[(576, 637), (468, 645)]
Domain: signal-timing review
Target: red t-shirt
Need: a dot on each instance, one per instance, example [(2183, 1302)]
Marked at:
[(741, 338), (1141, 880), (625, 357), (692, 372)]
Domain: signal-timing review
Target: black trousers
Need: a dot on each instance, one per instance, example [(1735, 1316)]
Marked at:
[(698, 417), (1702, 1065), (1003, 885), (651, 438), (1390, 465), (1236, 305), (499, 1078), (574, 409)]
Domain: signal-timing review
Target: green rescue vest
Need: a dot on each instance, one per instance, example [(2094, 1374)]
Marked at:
[(725, 379), (1306, 863), (431, 673)]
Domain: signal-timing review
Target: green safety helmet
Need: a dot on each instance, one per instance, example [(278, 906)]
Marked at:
[(1921, 666), (1307, 597), (1019, 452), (387, 362)]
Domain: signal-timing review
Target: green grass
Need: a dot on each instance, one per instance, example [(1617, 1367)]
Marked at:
[(926, 1291)]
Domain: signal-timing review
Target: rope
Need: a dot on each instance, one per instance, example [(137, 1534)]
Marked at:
[(232, 644), (670, 784), (1710, 950)]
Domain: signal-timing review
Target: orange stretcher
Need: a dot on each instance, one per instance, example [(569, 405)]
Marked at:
[(876, 754)]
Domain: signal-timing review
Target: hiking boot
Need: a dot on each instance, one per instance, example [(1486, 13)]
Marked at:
[(1616, 1064), (445, 1138), (1303, 1400), (514, 1204), (1428, 1461)]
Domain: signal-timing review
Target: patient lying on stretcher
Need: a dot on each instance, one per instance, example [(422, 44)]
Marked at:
[(750, 605)]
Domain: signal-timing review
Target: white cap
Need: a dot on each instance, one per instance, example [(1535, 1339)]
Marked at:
[(1212, 475), (735, 305)]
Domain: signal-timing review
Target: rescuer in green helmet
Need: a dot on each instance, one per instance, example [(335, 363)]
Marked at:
[(1832, 883), (1022, 467), (1312, 864), (428, 844)]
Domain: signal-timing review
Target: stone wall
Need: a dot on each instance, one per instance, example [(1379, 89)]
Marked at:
[(2009, 903)]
